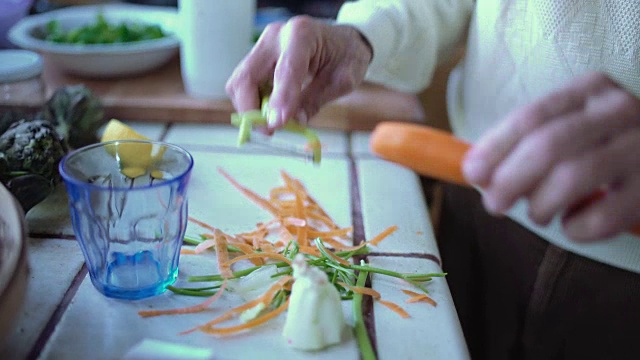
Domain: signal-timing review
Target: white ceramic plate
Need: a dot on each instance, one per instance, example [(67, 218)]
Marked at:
[(13, 260), (102, 60)]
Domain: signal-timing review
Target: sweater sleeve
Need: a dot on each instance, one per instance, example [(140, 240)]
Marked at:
[(409, 37)]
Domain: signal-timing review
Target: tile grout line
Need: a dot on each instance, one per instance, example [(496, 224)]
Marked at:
[(359, 237), (55, 318)]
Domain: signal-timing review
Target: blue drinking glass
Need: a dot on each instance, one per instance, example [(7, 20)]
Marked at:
[(128, 204)]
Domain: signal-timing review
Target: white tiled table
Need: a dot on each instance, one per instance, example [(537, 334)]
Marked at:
[(64, 317)]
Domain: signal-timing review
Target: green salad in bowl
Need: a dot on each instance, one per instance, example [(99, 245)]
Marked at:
[(103, 32)]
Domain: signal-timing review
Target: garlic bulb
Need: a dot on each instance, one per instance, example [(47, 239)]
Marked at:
[(314, 318)]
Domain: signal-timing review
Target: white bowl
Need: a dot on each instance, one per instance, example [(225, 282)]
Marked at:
[(101, 60)]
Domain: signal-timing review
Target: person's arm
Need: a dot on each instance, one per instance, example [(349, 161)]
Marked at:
[(409, 37)]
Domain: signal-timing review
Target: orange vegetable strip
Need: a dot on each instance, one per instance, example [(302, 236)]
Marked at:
[(269, 255), (188, 310), (395, 308), (248, 249), (264, 299), (421, 298), (201, 223), (294, 221), (309, 250), (378, 238), (184, 251), (226, 316), (271, 292), (300, 213), (222, 255), (209, 243), (336, 245), (410, 293), (263, 203), (338, 232), (362, 290), (426, 150), (249, 324), (322, 218)]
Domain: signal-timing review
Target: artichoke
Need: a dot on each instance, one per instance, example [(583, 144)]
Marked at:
[(29, 154), (76, 113)]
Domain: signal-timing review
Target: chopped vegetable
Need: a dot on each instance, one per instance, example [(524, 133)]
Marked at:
[(322, 256), (245, 122), (315, 319)]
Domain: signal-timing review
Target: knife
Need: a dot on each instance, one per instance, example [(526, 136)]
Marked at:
[(435, 153)]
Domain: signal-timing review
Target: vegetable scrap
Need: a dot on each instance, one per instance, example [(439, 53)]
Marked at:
[(301, 247), (246, 120)]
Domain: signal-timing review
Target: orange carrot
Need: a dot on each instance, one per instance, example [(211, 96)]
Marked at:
[(263, 299), (421, 298), (395, 308), (410, 293), (185, 251), (222, 255), (378, 238), (188, 310), (274, 256), (209, 243), (337, 232), (249, 324), (362, 290), (426, 150), (250, 194), (201, 223)]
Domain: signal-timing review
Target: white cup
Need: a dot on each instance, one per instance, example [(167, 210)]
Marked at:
[(215, 35)]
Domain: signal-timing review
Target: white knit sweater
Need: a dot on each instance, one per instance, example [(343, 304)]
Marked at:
[(517, 51)]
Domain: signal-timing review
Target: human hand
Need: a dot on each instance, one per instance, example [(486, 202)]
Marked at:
[(560, 150), (309, 63)]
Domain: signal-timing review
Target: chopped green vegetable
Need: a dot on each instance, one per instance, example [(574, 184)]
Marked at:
[(103, 32), (245, 122)]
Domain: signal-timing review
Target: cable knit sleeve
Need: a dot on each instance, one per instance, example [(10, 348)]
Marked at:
[(409, 37)]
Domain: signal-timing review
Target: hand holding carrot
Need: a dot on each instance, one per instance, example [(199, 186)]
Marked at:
[(560, 150), (308, 62)]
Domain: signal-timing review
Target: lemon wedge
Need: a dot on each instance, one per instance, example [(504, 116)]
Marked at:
[(134, 159)]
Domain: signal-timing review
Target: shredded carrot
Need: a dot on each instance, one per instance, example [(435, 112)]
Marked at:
[(185, 251), (201, 223), (388, 231), (421, 298), (249, 324), (362, 290), (222, 254), (207, 244), (309, 250), (274, 256), (395, 308), (337, 232), (410, 293), (300, 213), (264, 299), (188, 310), (247, 249), (250, 194)]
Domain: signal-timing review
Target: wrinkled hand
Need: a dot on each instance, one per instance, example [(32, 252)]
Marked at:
[(560, 150), (309, 63)]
